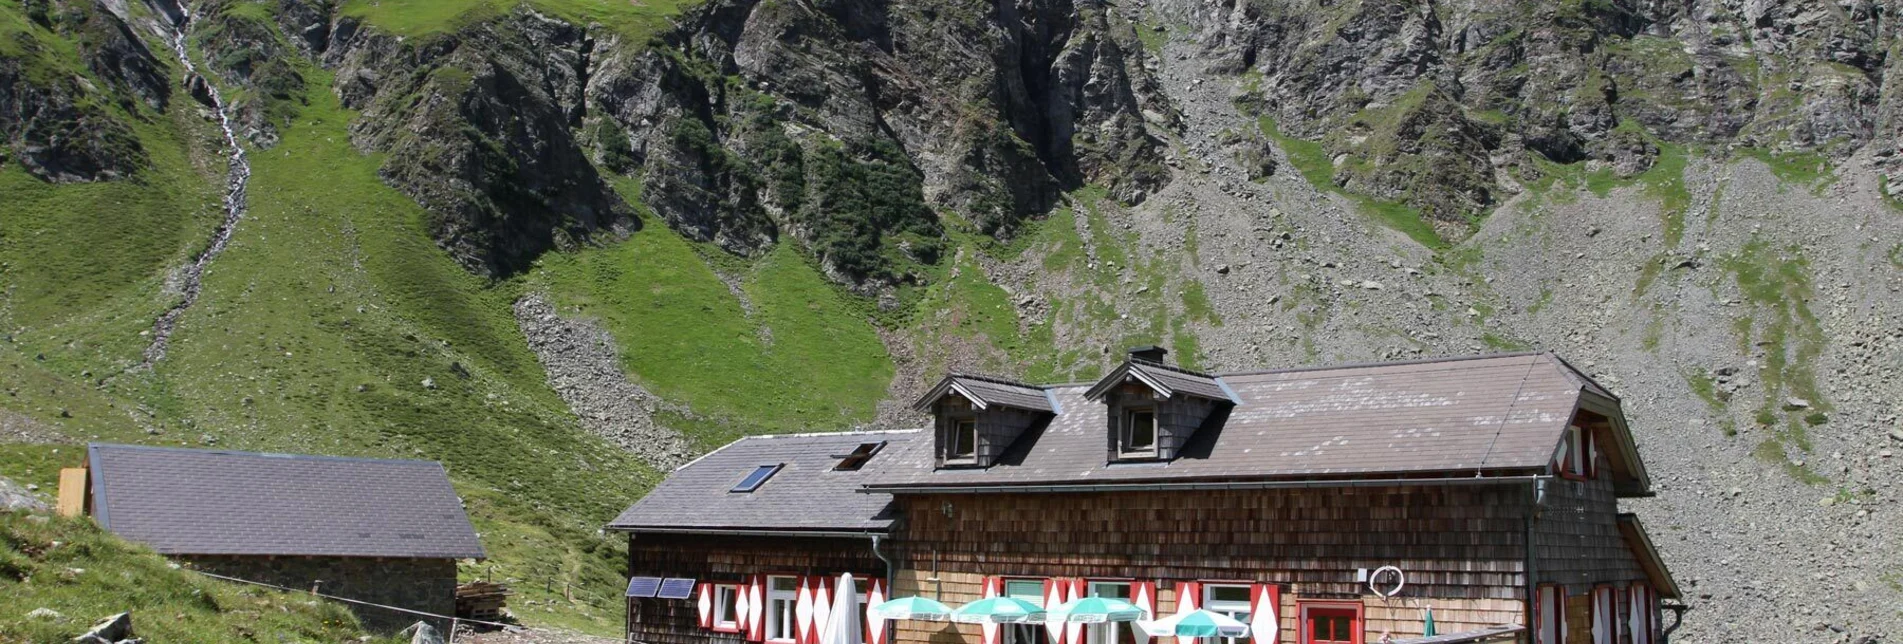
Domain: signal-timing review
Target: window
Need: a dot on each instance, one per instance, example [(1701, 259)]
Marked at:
[(1231, 600), (1549, 616), (1575, 453), (1111, 633), (727, 608), (1030, 590), (858, 457), (1138, 433), (1332, 623), (782, 594), (963, 445), (757, 478)]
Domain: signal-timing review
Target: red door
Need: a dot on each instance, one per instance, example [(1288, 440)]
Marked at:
[(1331, 624)]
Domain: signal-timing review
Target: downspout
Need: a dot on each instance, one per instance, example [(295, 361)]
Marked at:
[(1678, 619), (888, 562), (1536, 495)]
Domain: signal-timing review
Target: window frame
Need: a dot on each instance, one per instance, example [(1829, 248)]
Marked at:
[(772, 617), (1357, 619), (1126, 429), (766, 474), (1209, 602), (1034, 633), (1109, 632), (1576, 454), (731, 608), (955, 427)]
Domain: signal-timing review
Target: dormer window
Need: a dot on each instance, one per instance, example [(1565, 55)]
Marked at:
[(977, 418), (964, 440), (1139, 432)]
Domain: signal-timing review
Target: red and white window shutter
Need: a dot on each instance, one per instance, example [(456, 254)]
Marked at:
[(994, 586), (756, 609), (803, 612), (1605, 613), (743, 607), (1265, 613), (1143, 594), (876, 629), (1549, 616), (704, 601), (1056, 592), (1641, 616), (1189, 597), (822, 603)]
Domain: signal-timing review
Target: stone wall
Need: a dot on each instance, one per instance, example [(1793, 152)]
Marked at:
[(427, 585)]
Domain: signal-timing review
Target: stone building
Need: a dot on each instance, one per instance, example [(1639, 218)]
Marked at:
[(384, 532)]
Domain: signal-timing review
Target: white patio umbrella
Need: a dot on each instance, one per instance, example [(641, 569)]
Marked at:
[(1196, 623), (844, 626)]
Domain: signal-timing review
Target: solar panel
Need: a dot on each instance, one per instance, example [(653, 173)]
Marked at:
[(672, 588), (643, 586), (757, 478)]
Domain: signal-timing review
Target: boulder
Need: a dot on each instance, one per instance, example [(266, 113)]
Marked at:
[(14, 498), (421, 633), (111, 629)]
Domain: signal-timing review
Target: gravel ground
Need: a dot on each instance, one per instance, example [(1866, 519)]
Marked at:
[(584, 367)]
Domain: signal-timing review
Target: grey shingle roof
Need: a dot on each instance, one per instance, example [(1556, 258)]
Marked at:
[(987, 391), (807, 494), (1464, 415), (1171, 379), (212, 502)]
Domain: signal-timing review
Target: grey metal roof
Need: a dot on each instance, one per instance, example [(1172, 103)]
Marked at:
[(1448, 416), (807, 494), (214, 502), (987, 391)]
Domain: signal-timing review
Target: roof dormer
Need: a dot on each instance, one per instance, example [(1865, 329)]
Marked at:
[(975, 418), (1153, 409)]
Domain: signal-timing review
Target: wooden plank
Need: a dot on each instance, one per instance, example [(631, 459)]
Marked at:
[(72, 491)]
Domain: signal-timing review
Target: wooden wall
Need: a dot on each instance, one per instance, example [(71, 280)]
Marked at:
[(1578, 540), (1461, 547), (727, 559)]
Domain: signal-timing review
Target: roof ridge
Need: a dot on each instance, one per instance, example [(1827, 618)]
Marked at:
[(996, 380), (1146, 363), (850, 432), (1568, 367), (1391, 363), (233, 452)]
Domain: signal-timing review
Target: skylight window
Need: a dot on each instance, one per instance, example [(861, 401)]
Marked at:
[(859, 456), (757, 478)]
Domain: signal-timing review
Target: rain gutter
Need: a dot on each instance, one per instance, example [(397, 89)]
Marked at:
[(1197, 486)]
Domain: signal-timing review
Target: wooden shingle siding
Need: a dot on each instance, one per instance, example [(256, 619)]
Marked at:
[(1578, 538), (1460, 546), (728, 559)]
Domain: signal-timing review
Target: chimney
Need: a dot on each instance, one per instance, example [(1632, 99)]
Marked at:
[(1149, 353)]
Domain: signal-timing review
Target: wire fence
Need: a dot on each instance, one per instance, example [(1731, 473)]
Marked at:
[(455, 623)]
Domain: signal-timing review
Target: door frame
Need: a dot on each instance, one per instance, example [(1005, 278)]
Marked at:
[(1356, 625)]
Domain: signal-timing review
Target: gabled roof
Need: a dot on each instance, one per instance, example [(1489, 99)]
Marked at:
[(1164, 380), (214, 502), (1648, 556), (985, 391), (1447, 417), (807, 494)]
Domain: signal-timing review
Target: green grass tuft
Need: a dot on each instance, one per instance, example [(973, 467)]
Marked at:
[(1311, 159)]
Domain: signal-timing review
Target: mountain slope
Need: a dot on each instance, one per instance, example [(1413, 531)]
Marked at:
[(788, 216)]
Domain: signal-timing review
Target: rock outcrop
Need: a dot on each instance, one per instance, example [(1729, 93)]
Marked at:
[(66, 120)]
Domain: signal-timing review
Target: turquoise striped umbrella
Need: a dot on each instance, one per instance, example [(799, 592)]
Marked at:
[(918, 608), (999, 610), (1196, 623), (1097, 610)]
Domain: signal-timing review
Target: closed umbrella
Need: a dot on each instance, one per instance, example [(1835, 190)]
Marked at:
[(843, 626), (1097, 610), (999, 610), (1196, 623), (918, 608), (1428, 630)]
